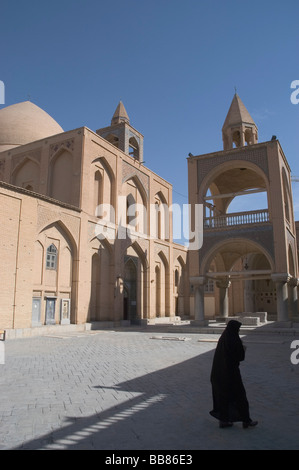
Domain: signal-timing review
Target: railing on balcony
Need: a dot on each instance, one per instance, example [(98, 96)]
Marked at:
[(237, 218)]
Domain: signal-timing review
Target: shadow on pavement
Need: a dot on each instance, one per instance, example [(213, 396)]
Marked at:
[(169, 407)]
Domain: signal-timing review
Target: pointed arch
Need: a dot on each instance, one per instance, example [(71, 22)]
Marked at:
[(139, 185), (239, 247), (133, 148), (26, 174), (103, 243), (64, 278), (113, 139), (139, 257), (61, 176), (132, 185), (228, 179), (210, 180), (101, 283), (104, 188), (141, 254), (64, 230), (161, 217)]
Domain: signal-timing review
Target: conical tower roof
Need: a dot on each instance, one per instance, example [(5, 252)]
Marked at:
[(120, 115), (237, 114)]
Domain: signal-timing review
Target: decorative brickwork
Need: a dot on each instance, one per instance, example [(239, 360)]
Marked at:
[(129, 171), (206, 163)]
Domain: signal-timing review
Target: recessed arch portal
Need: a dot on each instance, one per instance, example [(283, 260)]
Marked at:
[(27, 174), (101, 288), (135, 275), (226, 253), (230, 181), (61, 176), (242, 269)]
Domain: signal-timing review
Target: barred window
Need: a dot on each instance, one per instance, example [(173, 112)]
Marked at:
[(51, 261), (209, 286)]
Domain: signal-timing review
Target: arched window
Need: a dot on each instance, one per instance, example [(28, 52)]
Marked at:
[(113, 139), (51, 261), (237, 138), (98, 192), (133, 148), (249, 136), (161, 217)]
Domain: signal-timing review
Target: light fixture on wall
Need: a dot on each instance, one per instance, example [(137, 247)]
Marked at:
[(245, 259)]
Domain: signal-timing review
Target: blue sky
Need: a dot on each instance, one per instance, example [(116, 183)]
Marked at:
[(174, 64)]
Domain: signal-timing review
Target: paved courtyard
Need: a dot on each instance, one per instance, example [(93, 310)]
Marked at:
[(141, 389)]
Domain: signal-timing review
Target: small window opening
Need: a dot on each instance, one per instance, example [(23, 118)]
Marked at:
[(51, 261), (133, 148)]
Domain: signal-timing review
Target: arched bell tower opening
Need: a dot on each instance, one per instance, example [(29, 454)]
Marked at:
[(238, 129), (122, 135), (249, 236)]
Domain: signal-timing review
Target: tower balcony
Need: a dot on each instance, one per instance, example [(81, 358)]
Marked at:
[(236, 219)]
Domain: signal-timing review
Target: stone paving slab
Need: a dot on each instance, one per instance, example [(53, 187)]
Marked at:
[(125, 390)]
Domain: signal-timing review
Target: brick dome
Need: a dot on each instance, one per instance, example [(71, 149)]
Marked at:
[(25, 122)]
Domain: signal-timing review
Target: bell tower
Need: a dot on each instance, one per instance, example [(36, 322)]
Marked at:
[(121, 134), (239, 128), (249, 252)]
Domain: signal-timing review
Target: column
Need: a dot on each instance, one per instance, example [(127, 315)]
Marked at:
[(293, 289), (223, 285), (249, 297), (242, 136), (281, 280), (199, 307)]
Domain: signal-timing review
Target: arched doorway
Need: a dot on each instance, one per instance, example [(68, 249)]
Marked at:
[(101, 292)]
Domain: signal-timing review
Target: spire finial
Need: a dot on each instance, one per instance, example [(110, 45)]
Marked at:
[(120, 115)]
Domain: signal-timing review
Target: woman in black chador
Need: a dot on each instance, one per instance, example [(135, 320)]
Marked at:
[(229, 396)]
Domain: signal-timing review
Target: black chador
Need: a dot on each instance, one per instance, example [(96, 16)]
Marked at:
[(230, 402)]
